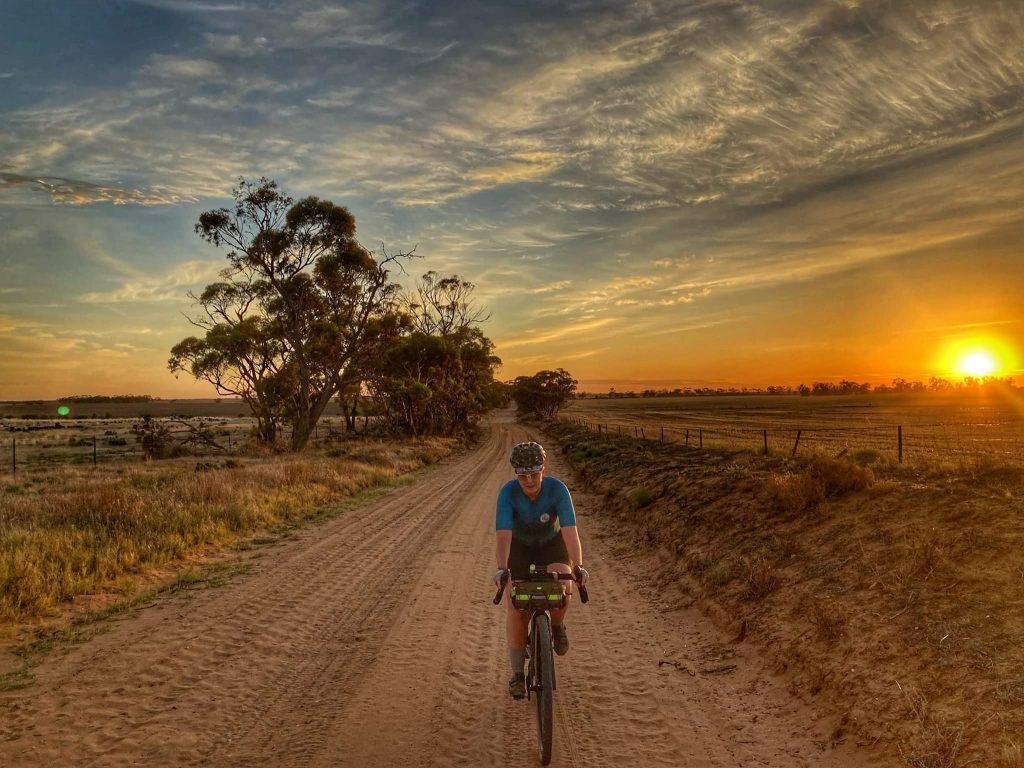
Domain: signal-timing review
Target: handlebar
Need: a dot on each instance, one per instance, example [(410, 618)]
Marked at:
[(584, 597)]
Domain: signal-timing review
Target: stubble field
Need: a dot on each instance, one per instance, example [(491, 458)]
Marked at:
[(936, 427)]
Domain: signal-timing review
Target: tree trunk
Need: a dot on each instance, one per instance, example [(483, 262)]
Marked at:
[(302, 428), (306, 419)]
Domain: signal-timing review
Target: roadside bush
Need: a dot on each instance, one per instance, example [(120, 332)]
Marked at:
[(715, 573), (821, 478), (590, 451), (641, 498)]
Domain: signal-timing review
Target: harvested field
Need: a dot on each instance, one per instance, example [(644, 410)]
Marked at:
[(937, 427)]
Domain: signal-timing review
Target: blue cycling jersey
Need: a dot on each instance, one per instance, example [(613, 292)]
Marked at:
[(538, 521)]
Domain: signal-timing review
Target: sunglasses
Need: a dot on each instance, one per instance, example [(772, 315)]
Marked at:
[(530, 475)]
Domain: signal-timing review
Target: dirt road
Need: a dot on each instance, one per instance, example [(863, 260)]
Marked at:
[(372, 641)]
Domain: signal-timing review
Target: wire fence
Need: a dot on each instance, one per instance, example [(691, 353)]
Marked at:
[(36, 444), (1002, 442)]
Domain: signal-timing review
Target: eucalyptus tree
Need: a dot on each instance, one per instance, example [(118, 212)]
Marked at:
[(302, 299)]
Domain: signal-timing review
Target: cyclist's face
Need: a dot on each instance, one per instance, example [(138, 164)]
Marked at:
[(530, 481)]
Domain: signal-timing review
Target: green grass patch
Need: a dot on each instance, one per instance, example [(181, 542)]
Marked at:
[(584, 452)]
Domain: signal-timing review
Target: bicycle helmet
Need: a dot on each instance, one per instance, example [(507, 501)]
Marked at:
[(527, 457)]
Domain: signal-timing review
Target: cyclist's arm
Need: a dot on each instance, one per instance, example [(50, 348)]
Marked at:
[(571, 537), (503, 543)]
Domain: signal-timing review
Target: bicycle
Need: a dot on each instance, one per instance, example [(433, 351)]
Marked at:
[(538, 594)]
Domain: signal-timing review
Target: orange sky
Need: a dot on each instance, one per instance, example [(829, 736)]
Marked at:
[(656, 195)]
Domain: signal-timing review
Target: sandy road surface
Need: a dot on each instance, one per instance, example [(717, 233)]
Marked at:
[(372, 641)]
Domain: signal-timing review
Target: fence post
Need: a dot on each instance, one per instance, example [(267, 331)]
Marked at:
[(663, 435), (599, 429), (797, 443), (636, 431), (899, 441), (766, 442), (643, 435), (94, 451), (687, 438), (700, 436)]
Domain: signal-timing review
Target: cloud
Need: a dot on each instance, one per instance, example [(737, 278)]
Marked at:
[(178, 67), (554, 334), (551, 288), (171, 286), (78, 192)]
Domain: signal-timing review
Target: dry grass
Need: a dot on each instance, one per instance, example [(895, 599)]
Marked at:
[(761, 578), (916, 576), (819, 478), (828, 616), (68, 532), (1012, 757), (939, 745)]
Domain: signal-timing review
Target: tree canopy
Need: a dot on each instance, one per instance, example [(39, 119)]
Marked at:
[(545, 393), (298, 301)]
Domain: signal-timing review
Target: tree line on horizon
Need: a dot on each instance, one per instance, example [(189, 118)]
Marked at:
[(303, 314), (819, 388)]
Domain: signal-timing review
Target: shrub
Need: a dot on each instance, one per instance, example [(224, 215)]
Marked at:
[(590, 451), (716, 573), (821, 478), (641, 498)]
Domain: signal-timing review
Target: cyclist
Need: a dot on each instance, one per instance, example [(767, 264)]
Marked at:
[(535, 523)]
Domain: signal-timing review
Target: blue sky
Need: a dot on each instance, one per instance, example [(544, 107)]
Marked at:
[(647, 193)]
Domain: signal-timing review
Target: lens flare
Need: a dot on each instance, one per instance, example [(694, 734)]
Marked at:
[(63, 411)]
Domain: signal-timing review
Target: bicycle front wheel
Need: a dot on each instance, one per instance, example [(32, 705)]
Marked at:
[(544, 684)]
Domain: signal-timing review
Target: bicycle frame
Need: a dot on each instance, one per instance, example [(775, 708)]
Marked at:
[(540, 676)]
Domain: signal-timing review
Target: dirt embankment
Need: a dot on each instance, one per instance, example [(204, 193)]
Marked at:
[(894, 596)]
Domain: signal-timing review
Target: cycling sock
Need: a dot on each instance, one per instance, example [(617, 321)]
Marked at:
[(517, 658)]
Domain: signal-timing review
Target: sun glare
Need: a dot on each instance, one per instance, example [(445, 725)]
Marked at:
[(978, 363), (977, 356)]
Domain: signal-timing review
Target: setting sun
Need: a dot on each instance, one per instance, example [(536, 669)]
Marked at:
[(977, 363), (977, 356)]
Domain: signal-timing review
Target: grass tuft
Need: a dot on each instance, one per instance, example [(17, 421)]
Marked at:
[(761, 578)]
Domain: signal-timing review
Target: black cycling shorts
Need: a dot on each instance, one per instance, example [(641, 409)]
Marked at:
[(520, 556)]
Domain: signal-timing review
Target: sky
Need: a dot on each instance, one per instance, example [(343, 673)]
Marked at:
[(648, 194)]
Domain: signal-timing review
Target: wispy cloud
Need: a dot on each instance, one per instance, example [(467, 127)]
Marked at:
[(171, 286), (78, 192), (554, 334)]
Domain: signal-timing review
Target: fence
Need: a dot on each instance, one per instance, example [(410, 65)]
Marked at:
[(35, 444), (930, 443)]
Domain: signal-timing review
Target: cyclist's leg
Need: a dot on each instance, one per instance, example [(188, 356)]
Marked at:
[(517, 623), (558, 614)]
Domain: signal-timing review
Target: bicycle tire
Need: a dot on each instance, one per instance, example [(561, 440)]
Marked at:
[(544, 674)]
